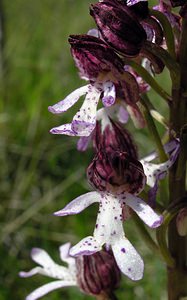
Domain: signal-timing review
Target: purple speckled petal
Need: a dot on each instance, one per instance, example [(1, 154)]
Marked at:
[(109, 96), (69, 101), (158, 171), (86, 246), (64, 129), (85, 119), (128, 260), (169, 147), (45, 289), (79, 204), (143, 210)]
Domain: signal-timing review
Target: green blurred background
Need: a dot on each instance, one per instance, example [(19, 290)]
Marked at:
[(40, 172)]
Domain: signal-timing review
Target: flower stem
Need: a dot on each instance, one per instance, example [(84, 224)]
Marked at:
[(149, 79), (161, 238), (153, 129), (106, 296), (146, 236), (177, 276)]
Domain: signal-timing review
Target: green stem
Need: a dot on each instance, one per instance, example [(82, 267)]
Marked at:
[(167, 29), (106, 296), (146, 236), (153, 129), (161, 238), (149, 79), (183, 153)]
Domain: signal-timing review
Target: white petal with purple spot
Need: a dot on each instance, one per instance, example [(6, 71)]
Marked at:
[(64, 129), (45, 289), (109, 225), (143, 210), (128, 260), (85, 119), (109, 96), (86, 246), (69, 101)]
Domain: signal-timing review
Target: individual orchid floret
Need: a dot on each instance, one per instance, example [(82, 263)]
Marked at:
[(156, 172), (119, 26), (66, 276), (97, 63), (109, 228), (79, 272), (118, 177)]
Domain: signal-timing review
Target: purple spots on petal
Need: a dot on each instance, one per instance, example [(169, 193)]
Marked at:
[(123, 250), (108, 101)]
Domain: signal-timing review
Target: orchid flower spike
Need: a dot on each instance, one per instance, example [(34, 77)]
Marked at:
[(156, 172), (99, 64), (79, 272)]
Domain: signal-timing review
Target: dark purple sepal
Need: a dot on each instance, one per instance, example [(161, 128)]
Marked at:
[(119, 27), (97, 273), (175, 3), (93, 56), (116, 171), (139, 8), (114, 137), (129, 88)]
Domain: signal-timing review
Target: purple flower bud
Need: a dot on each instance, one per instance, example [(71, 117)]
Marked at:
[(93, 56), (97, 273), (119, 26), (115, 172), (114, 137), (115, 167)]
